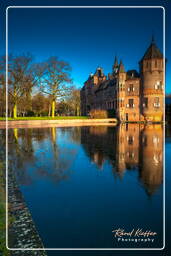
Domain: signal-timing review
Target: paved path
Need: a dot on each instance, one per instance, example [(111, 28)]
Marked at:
[(57, 123)]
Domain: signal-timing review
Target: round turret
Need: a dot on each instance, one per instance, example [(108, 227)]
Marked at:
[(152, 83)]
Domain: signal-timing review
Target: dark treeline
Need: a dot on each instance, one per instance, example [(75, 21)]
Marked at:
[(37, 89)]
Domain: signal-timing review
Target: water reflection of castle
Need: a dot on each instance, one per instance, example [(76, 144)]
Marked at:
[(130, 147)]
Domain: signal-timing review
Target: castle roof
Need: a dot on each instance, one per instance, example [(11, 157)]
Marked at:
[(115, 65), (105, 84), (99, 72), (121, 67), (115, 62), (152, 52), (132, 74)]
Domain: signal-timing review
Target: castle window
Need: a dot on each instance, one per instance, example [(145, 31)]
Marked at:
[(144, 140), (131, 88), (155, 63), (156, 140), (131, 103), (121, 156), (130, 140), (157, 85), (122, 87), (146, 64), (130, 155), (122, 102), (145, 104), (156, 102)]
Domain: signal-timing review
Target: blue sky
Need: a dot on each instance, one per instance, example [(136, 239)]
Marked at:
[(87, 38)]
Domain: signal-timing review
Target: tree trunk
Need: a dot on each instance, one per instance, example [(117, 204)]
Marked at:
[(49, 110), (53, 108), (15, 111), (77, 111)]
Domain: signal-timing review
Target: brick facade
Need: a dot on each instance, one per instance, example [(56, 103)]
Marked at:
[(129, 96)]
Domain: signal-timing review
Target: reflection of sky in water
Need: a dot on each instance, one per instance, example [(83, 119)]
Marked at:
[(82, 182)]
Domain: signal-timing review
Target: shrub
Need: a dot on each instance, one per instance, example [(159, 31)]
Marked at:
[(111, 113), (98, 113)]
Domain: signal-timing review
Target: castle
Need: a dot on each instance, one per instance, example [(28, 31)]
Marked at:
[(128, 95)]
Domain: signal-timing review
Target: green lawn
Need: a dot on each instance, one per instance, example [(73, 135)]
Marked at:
[(45, 118)]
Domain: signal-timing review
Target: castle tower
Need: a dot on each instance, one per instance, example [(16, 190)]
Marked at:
[(115, 66), (152, 84), (121, 92), (98, 76)]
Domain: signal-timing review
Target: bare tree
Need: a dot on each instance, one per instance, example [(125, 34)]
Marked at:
[(2, 87), (22, 76), (2, 97), (56, 82), (74, 100), (40, 104)]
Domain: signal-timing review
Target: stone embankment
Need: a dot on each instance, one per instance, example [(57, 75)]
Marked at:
[(57, 123), (22, 232)]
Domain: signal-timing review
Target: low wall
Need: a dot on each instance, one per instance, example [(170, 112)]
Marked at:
[(57, 123)]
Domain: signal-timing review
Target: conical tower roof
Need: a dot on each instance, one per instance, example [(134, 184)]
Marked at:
[(152, 52), (115, 62), (115, 66), (121, 67)]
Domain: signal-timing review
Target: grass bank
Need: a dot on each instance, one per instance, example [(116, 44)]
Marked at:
[(44, 118)]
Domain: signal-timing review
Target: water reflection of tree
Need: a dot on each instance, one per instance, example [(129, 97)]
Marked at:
[(61, 160), (21, 153), (129, 147), (32, 157)]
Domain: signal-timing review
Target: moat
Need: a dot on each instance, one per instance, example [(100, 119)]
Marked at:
[(80, 183)]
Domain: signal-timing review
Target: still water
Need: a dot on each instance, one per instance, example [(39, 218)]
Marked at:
[(81, 183)]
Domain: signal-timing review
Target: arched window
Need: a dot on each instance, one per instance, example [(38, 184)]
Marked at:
[(155, 63)]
